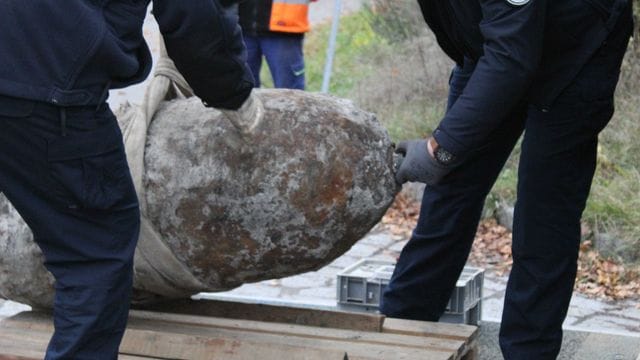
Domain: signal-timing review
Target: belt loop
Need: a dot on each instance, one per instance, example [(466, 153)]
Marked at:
[(63, 121), (103, 95)]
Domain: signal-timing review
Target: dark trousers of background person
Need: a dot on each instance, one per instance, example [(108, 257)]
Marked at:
[(557, 164), (284, 57), (65, 171)]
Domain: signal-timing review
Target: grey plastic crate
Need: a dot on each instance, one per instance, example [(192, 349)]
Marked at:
[(360, 287), (362, 283), (468, 291), (470, 316)]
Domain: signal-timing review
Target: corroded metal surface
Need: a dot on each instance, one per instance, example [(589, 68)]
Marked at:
[(311, 179)]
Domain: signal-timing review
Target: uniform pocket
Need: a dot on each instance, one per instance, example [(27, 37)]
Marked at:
[(89, 170)]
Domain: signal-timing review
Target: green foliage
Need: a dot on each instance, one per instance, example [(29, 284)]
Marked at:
[(356, 41), (392, 22), (402, 77), (378, 73), (614, 204)]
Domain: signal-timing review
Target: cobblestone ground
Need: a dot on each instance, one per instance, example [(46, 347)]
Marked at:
[(319, 288)]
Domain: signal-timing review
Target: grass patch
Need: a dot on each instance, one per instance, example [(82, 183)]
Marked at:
[(355, 44), (614, 205), (402, 77)]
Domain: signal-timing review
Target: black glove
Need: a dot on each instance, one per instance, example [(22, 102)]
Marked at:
[(418, 165)]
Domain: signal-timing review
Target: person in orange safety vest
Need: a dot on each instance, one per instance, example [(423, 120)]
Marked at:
[(275, 29)]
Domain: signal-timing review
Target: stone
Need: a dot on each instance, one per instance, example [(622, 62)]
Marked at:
[(312, 178), (504, 215), (608, 244)]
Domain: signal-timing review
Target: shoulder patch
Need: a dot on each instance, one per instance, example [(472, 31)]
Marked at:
[(518, 2)]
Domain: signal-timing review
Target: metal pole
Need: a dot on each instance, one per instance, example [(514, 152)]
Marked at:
[(331, 49)]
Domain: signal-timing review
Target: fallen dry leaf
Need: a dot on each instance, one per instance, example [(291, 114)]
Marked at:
[(597, 276)]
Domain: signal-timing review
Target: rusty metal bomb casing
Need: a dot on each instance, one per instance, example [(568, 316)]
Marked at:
[(313, 177)]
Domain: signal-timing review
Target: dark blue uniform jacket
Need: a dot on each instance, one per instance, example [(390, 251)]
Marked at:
[(527, 52), (66, 52)]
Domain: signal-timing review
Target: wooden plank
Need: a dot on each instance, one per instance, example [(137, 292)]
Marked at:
[(399, 340), (465, 333), (187, 346), (12, 346), (18, 337), (323, 318), (175, 344), (174, 336), (31, 344), (272, 313), (35, 320), (430, 329), (472, 351), (232, 345), (208, 325)]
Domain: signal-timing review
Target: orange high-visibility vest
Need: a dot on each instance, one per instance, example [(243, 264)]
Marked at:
[(290, 16)]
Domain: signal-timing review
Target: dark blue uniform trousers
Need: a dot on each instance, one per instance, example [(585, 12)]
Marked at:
[(557, 164), (65, 171), (284, 56)]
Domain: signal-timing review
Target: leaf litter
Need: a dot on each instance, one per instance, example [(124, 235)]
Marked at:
[(597, 277)]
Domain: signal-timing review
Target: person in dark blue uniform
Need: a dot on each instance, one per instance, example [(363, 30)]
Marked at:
[(62, 161), (545, 68)]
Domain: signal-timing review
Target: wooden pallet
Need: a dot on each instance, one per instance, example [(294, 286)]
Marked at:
[(272, 333)]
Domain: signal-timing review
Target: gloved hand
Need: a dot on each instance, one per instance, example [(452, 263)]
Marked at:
[(418, 165), (248, 116)]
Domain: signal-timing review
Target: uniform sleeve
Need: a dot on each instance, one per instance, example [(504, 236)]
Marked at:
[(204, 40), (513, 40)]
